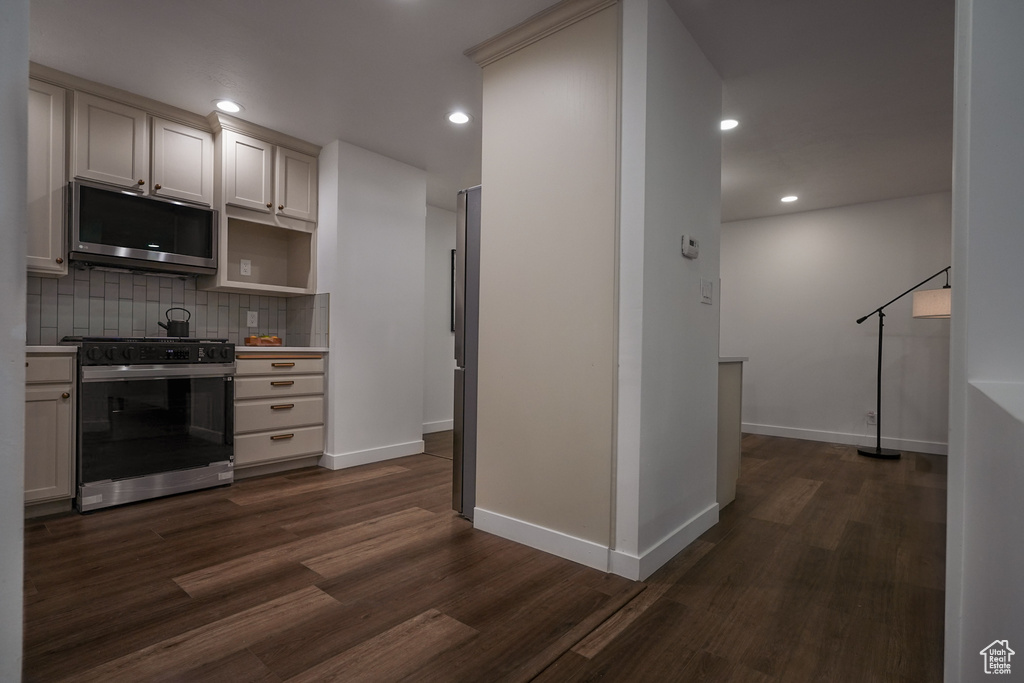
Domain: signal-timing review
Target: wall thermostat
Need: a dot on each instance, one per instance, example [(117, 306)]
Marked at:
[(691, 247)]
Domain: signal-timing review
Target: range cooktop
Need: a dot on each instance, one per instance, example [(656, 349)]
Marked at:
[(151, 350), (136, 340)]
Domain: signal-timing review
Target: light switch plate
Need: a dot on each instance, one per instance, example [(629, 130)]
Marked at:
[(706, 289), (245, 267), (252, 318)]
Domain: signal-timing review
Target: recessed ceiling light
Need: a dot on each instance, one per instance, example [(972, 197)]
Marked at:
[(459, 117), (729, 124), (790, 198), (228, 106)]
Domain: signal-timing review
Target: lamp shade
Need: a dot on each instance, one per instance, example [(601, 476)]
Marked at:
[(932, 303)]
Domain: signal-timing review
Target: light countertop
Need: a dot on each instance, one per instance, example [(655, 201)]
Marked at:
[(69, 350)]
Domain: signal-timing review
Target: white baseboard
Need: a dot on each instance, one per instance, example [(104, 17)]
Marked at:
[(550, 541), (639, 568), (340, 461), (933, 447), (593, 554), (439, 426)]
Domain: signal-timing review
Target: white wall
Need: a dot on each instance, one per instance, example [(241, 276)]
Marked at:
[(373, 267), (13, 215), (984, 550), (547, 295), (439, 350), (792, 289), (668, 339)]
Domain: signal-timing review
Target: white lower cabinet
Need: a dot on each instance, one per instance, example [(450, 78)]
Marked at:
[(279, 406), (49, 427)]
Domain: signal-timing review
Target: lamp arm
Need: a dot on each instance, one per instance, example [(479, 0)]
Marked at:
[(877, 310)]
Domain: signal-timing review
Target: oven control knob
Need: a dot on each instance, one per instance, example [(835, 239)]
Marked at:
[(128, 352), (109, 353), (211, 352), (94, 353)]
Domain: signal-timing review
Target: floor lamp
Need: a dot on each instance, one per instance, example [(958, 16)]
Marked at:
[(929, 303)]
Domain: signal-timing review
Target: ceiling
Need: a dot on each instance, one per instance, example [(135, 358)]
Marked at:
[(839, 102)]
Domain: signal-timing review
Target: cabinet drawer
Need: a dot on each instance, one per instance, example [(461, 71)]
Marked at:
[(269, 387), (253, 449), (278, 366), (49, 368), (263, 414)]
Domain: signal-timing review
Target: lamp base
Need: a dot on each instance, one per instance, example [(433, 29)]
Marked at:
[(880, 453)]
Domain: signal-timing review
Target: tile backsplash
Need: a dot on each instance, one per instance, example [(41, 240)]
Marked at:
[(114, 304)]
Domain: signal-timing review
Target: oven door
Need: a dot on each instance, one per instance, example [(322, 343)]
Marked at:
[(150, 420)]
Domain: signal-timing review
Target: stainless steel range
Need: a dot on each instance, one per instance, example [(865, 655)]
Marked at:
[(155, 417)]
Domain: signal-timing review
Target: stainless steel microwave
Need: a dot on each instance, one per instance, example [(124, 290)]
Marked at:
[(113, 227)]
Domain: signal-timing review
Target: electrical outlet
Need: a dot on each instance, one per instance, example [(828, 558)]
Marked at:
[(252, 318), (245, 267), (871, 418)]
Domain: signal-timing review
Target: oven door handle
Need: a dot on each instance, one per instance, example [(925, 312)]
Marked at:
[(125, 373)]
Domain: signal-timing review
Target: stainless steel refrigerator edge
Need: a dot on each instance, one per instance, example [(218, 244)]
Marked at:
[(467, 317)]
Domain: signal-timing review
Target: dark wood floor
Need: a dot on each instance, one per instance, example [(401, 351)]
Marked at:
[(828, 567)]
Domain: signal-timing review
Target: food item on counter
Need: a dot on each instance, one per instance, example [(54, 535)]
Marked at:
[(263, 340)]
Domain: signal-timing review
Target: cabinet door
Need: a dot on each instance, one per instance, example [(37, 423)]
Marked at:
[(46, 179), (110, 143), (296, 184), (248, 172), (182, 162), (48, 442)]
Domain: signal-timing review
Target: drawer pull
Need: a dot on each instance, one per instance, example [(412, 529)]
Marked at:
[(282, 406), (65, 395), (278, 437), (283, 383), (282, 365)]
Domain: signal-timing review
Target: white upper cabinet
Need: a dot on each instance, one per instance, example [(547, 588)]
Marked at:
[(110, 143), (266, 192), (46, 179), (248, 172), (270, 179), (296, 189), (182, 162)]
